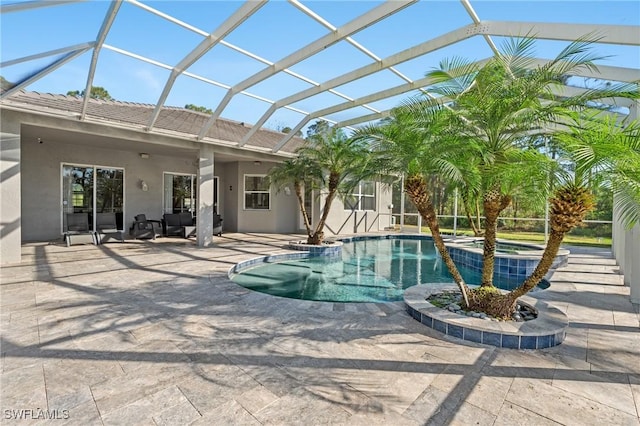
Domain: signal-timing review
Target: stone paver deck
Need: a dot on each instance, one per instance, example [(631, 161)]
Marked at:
[(153, 332)]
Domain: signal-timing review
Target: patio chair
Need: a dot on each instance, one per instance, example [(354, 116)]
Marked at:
[(182, 224), (145, 228), (107, 228), (78, 231)]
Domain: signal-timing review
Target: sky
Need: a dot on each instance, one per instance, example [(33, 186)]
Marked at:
[(273, 32)]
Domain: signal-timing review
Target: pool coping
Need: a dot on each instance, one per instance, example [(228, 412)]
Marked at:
[(271, 258), (328, 248), (547, 330)]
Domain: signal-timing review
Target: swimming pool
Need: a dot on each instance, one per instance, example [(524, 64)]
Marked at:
[(369, 270)]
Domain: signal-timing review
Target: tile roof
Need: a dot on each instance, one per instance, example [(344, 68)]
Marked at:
[(184, 122)]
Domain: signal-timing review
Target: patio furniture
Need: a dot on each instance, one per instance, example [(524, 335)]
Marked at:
[(182, 224), (145, 228), (107, 228), (217, 225), (78, 231)]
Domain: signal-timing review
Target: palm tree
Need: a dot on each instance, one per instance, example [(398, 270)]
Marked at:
[(418, 149), (329, 161), (301, 173), (501, 110), (344, 162), (604, 153)]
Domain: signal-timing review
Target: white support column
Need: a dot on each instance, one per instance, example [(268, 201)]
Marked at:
[(402, 204), (205, 196), (455, 214), (626, 243), (10, 193), (617, 240)]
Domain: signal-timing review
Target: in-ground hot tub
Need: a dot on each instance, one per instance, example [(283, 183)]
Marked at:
[(512, 259)]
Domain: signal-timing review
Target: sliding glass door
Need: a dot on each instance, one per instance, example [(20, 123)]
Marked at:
[(91, 189), (180, 193)]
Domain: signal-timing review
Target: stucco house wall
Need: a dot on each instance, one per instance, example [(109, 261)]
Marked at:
[(281, 216), (343, 220), (40, 133), (41, 170)]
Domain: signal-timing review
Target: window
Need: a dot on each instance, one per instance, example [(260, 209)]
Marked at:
[(256, 192), (363, 197)]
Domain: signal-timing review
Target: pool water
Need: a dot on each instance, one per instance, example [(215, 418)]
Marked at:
[(372, 270)]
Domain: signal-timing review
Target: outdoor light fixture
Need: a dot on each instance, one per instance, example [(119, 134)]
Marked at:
[(144, 186), (144, 155), (287, 191), (257, 163)]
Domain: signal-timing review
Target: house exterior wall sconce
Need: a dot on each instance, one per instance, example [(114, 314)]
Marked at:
[(144, 186), (145, 155)]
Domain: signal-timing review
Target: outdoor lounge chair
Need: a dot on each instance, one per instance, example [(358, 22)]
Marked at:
[(107, 228), (145, 228), (182, 224), (78, 231)]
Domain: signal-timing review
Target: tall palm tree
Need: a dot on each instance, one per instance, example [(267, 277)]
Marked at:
[(504, 106), (331, 162), (302, 174), (603, 153), (501, 110), (342, 161), (418, 150)]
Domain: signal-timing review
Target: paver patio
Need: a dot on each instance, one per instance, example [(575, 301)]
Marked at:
[(153, 332)]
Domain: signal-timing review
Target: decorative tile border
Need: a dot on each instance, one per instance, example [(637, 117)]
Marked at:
[(544, 332), (518, 265)]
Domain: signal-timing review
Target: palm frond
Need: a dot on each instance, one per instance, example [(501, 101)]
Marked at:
[(517, 54), (576, 56)]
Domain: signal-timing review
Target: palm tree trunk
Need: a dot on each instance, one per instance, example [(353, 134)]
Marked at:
[(467, 210), (568, 208), (503, 305), (494, 203), (477, 232), (297, 187), (416, 189), (548, 256), (318, 235), (474, 228), (478, 225), (489, 246)]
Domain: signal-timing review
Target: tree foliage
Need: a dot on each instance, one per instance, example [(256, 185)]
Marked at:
[(502, 110), (318, 128), (287, 129), (97, 92), (197, 108), (330, 162)]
